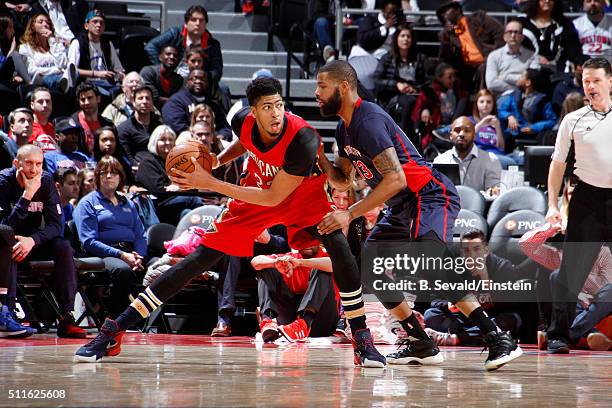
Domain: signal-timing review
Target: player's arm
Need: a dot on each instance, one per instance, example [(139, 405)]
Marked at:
[(230, 153), (322, 264), (394, 180), (340, 174), (282, 186), (262, 262)]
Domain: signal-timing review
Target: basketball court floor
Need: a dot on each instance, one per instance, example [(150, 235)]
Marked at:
[(190, 371)]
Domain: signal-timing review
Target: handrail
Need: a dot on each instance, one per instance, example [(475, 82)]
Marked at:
[(340, 12), (163, 12), (291, 56)]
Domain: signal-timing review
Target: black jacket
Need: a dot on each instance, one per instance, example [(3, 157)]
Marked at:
[(26, 217), (177, 113), (387, 75), (369, 36), (151, 172), (134, 137), (151, 74)]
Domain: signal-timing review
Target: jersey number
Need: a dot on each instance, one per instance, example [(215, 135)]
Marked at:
[(594, 48), (363, 169), (260, 182)]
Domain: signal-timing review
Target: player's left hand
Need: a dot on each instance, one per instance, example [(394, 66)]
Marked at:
[(198, 178), (337, 219)]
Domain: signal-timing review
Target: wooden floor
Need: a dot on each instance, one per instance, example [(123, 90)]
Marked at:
[(189, 371)]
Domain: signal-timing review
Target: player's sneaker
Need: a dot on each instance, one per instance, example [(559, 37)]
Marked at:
[(366, 354), (295, 331), (424, 352), (502, 350), (442, 339), (269, 330), (341, 328), (106, 343), (9, 326)]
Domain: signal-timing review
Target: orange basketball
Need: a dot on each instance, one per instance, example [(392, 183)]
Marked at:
[(180, 157)]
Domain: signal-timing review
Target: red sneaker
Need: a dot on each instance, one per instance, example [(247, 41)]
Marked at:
[(269, 330), (295, 331), (69, 330)]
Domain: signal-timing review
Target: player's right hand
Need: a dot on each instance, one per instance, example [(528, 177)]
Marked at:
[(553, 216), (214, 160)]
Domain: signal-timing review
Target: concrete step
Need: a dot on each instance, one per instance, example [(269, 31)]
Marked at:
[(231, 40), (229, 22), (209, 5), (300, 88), (247, 70), (237, 56)]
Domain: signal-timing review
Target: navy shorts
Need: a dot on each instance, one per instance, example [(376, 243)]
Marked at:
[(433, 209)]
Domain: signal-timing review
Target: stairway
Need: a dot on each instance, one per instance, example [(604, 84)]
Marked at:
[(245, 51)]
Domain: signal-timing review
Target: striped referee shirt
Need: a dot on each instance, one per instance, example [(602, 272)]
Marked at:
[(592, 135)]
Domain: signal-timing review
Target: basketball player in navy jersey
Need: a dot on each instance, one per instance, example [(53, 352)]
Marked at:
[(422, 205), (281, 187)]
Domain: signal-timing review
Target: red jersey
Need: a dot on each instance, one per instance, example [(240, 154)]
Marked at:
[(264, 162)]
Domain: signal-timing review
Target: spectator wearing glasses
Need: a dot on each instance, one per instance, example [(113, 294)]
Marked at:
[(109, 227), (505, 65)]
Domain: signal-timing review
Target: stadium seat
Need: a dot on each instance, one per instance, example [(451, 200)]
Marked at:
[(471, 199), (467, 221), (518, 198), (509, 229), (537, 162), (156, 235), (133, 39), (201, 217), (33, 278)]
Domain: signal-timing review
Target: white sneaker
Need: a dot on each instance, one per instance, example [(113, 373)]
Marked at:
[(442, 339)]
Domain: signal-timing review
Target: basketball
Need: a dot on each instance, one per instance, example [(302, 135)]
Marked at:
[(180, 157)]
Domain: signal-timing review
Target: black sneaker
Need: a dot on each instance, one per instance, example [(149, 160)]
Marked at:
[(557, 346), (366, 354), (424, 352), (106, 343), (502, 350)]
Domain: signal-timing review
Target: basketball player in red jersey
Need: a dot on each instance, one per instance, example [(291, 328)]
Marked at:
[(281, 187)]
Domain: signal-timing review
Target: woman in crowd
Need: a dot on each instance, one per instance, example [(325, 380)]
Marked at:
[(152, 175), (109, 227), (86, 181), (46, 56), (489, 133), (551, 35), (397, 76), (105, 143)]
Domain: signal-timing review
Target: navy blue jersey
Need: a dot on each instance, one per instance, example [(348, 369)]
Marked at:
[(371, 131)]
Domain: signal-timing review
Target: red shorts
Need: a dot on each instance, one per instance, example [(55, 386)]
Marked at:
[(235, 231)]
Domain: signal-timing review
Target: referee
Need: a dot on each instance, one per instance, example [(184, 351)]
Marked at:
[(589, 223)]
